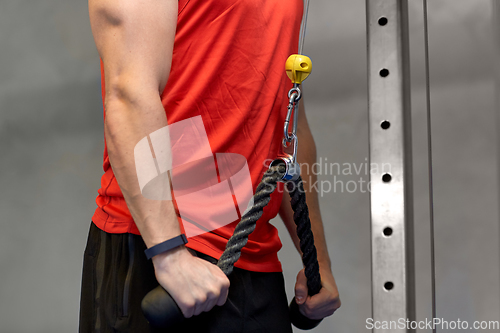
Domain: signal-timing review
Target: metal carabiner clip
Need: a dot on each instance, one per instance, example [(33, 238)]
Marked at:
[(294, 96)]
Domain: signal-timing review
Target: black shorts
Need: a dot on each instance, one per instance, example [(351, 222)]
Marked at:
[(117, 275)]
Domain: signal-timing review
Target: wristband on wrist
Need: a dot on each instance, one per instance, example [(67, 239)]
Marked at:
[(167, 245)]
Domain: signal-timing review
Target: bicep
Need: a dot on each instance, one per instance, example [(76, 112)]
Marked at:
[(135, 40)]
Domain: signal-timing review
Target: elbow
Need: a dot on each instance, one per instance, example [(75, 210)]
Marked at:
[(119, 91), (106, 12), (126, 92), (121, 106), (127, 104)]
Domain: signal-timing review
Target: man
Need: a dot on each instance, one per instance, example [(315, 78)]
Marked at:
[(164, 61)]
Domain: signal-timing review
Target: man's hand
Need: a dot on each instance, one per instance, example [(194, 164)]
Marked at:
[(321, 305), (195, 284)]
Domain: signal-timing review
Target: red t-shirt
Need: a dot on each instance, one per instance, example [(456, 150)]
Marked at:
[(227, 67)]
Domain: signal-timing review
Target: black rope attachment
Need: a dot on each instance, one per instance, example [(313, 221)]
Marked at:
[(161, 310), (248, 221), (309, 254), (303, 223)]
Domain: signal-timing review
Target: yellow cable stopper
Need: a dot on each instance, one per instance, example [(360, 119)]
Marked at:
[(298, 67)]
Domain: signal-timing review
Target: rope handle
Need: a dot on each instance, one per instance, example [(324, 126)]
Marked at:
[(160, 309), (309, 253)]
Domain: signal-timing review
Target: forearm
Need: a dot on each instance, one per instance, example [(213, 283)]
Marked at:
[(327, 301), (286, 214), (127, 122), (307, 157)]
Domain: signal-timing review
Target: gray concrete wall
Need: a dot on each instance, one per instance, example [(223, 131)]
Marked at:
[(51, 151)]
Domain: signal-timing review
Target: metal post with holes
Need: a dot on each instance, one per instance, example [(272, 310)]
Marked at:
[(393, 286)]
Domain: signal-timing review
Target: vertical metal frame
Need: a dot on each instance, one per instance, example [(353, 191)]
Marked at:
[(496, 42), (393, 286)]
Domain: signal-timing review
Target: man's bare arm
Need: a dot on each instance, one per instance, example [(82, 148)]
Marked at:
[(135, 40), (327, 301)]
